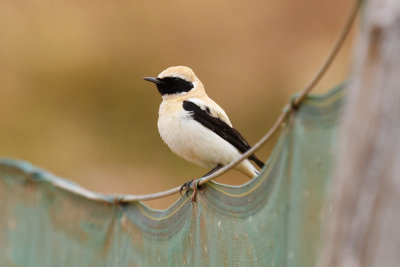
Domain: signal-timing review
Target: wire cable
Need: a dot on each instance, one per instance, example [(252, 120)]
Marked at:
[(288, 109)]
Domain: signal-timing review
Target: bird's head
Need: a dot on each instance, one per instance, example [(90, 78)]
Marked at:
[(176, 81)]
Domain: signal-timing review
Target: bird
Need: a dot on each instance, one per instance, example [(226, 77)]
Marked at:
[(195, 127)]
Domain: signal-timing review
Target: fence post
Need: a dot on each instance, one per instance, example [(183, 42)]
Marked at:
[(364, 225)]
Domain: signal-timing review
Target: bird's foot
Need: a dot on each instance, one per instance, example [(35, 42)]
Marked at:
[(192, 184), (186, 186)]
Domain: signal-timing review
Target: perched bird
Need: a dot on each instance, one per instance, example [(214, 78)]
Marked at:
[(195, 127)]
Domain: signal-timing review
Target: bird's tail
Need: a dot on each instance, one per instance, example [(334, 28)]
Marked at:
[(247, 169), (257, 161)]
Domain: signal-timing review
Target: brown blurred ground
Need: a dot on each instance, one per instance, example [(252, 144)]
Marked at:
[(72, 98)]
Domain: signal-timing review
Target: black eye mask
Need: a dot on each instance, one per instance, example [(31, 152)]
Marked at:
[(173, 85)]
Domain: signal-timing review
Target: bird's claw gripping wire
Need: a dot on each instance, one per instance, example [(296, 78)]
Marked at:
[(190, 185), (194, 184), (186, 186)]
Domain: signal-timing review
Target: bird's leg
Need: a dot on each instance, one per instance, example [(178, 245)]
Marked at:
[(189, 184), (216, 168)]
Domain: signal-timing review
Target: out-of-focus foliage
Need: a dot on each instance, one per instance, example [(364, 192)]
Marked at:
[(72, 98)]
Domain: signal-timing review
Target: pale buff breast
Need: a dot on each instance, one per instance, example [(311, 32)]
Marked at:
[(190, 140)]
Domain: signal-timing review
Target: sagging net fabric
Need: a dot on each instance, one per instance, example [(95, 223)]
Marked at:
[(273, 220)]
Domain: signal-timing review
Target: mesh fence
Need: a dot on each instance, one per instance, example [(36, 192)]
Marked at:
[(273, 220)]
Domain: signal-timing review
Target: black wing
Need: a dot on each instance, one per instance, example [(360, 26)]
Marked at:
[(220, 127)]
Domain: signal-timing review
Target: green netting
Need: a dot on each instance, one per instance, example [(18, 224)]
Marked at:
[(273, 220)]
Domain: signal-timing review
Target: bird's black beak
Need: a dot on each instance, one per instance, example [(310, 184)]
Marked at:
[(152, 79)]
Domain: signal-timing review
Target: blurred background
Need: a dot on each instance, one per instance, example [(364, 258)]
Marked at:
[(73, 99)]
